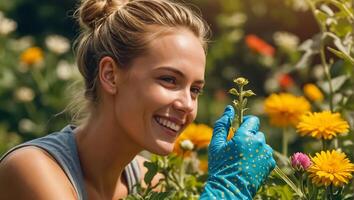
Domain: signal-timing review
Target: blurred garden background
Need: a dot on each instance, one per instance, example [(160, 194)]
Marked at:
[(283, 47)]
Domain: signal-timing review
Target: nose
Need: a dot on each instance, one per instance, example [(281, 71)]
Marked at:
[(184, 102)]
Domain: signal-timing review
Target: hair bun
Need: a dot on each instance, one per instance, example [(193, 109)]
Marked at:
[(93, 12)]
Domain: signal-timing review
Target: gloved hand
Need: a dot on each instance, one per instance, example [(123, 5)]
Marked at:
[(237, 167)]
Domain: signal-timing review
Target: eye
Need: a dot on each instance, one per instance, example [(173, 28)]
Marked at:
[(196, 91), (168, 79)]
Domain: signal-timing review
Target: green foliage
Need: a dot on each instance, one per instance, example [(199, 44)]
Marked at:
[(33, 89), (325, 56), (181, 179)]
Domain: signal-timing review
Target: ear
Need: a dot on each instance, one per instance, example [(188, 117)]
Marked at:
[(108, 75)]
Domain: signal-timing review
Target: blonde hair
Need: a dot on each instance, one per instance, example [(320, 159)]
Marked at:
[(123, 29)]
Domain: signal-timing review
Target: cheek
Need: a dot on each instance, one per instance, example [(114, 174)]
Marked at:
[(194, 112), (159, 96)]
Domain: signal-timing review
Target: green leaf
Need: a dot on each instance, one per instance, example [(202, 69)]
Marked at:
[(161, 195), (152, 171), (338, 42), (341, 27), (342, 55), (326, 9), (337, 83), (321, 16), (234, 92), (283, 192), (244, 103), (311, 48)]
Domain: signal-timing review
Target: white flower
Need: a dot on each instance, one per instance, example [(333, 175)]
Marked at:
[(24, 94), (235, 20), (7, 77), (6, 25), (286, 40), (65, 70), (57, 44), (300, 5), (26, 125), (22, 43), (235, 35), (271, 84), (187, 145), (318, 72)]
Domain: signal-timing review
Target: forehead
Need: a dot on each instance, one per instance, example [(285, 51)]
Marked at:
[(179, 49)]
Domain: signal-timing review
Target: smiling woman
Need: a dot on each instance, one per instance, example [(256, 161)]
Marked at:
[(143, 64)]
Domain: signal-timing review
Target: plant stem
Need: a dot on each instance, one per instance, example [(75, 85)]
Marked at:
[(329, 192), (325, 144), (301, 179), (182, 172), (328, 76), (323, 56), (240, 110), (285, 142), (291, 184)]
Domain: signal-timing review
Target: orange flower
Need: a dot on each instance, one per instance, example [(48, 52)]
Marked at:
[(33, 55), (285, 81), (199, 135), (260, 46)]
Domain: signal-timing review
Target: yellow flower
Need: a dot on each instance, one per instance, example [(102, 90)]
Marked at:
[(231, 133), (322, 125), (285, 109), (203, 165), (312, 92), (330, 168), (199, 135), (33, 55)]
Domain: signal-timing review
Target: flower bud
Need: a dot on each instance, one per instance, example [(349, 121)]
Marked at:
[(241, 81), (300, 161), (187, 145)]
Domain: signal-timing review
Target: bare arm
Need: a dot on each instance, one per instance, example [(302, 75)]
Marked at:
[(31, 173)]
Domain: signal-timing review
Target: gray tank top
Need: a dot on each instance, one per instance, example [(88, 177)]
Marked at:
[(62, 147)]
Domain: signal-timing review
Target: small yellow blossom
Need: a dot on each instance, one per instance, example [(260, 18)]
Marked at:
[(199, 135), (312, 92), (231, 133), (285, 109), (330, 167), (203, 165), (33, 55), (322, 125)]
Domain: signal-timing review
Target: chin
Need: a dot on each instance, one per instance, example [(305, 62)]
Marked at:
[(162, 148)]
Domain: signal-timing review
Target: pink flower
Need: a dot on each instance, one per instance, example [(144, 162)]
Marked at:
[(300, 161)]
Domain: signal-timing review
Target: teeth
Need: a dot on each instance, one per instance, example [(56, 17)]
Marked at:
[(168, 124)]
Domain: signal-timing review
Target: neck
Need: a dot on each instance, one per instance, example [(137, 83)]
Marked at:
[(104, 152)]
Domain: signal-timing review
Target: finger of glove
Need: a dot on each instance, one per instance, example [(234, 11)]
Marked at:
[(222, 126), (272, 162), (250, 125), (260, 137)]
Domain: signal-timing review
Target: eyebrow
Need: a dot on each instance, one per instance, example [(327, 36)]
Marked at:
[(178, 72)]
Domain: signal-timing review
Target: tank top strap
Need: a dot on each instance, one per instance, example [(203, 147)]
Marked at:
[(133, 175)]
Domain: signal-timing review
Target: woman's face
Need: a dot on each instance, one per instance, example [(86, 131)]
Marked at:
[(158, 96)]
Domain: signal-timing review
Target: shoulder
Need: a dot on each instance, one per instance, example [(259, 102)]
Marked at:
[(143, 171), (31, 173)]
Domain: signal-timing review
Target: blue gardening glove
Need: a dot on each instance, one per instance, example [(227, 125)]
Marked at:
[(237, 167)]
